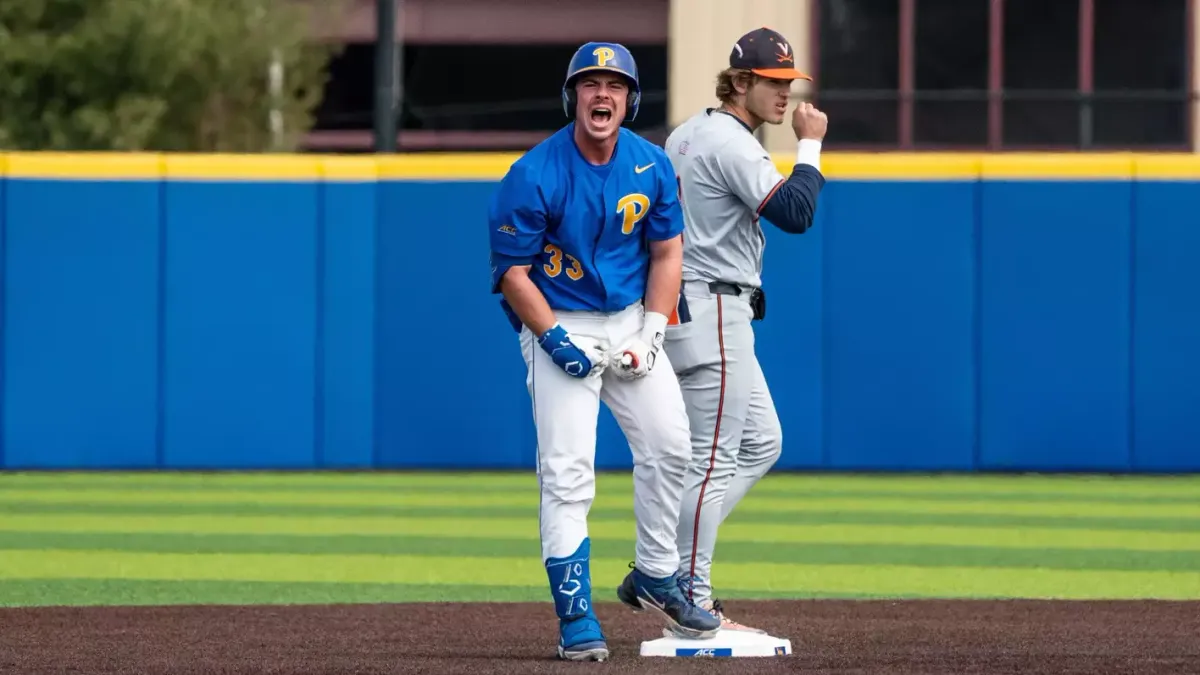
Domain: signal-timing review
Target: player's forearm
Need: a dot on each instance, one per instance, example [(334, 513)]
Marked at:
[(527, 300), (794, 205), (666, 272)]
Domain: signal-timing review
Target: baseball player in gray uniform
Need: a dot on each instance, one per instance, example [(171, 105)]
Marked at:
[(726, 182)]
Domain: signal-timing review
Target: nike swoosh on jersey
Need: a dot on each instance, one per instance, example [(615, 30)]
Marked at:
[(639, 169)]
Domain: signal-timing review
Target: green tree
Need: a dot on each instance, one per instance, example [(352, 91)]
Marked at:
[(160, 75)]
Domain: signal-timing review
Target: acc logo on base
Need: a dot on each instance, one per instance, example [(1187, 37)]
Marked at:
[(705, 651)]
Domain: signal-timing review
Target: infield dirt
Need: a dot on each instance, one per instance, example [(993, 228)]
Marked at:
[(867, 637)]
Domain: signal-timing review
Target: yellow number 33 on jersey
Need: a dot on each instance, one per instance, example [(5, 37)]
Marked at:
[(632, 208), (554, 267)]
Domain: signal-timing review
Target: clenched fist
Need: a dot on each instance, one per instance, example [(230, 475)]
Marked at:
[(808, 122)]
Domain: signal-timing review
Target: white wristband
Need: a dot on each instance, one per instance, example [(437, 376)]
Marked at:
[(808, 151), (655, 324)]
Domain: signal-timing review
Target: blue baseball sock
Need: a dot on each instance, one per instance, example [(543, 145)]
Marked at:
[(571, 582)]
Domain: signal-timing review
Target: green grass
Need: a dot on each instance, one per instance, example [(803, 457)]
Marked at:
[(169, 538), (85, 592)]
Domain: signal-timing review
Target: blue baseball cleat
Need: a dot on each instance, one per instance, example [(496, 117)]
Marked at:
[(665, 596), (579, 634), (581, 639)]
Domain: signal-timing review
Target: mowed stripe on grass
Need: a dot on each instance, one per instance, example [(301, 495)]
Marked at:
[(620, 514), (914, 504), (92, 592), (765, 491), (889, 580), (731, 552), (79, 592), (1033, 485), (484, 527)]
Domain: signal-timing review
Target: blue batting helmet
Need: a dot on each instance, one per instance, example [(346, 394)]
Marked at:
[(603, 56)]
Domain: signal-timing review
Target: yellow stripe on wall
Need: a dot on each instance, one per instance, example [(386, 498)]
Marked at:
[(493, 166), (100, 165), (893, 166), (349, 168), (1167, 167), (1034, 166), (488, 166), (243, 167)]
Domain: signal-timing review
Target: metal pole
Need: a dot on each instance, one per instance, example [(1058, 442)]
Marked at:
[(1087, 31), (996, 75), (908, 30), (385, 76), (1192, 84), (398, 71)]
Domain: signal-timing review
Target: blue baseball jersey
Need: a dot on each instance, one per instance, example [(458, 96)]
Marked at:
[(585, 230)]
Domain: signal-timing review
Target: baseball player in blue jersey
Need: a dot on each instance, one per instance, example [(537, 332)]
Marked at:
[(586, 251)]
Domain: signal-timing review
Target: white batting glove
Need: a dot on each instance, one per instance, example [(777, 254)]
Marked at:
[(595, 351), (638, 354), (578, 355)]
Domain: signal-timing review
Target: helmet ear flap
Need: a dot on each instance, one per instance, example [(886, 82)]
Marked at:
[(568, 101), (632, 105)]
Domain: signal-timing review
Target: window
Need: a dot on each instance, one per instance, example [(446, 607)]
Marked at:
[(510, 87), (1131, 89), (349, 90), (857, 72), (1141, 74), (477, 88), (951, 73), (1041, 73)]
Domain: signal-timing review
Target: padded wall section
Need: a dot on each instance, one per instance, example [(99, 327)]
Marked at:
[(450, 374), (900, 346), (1055, 342), (346, 337), (1166, 327), (240, 324), (80, 324)]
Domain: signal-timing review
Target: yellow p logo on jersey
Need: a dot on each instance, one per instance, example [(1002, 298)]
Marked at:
[(603, 55), (632, 208)]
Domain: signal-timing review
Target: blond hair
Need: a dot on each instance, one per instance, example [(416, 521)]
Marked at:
[(726, 91)]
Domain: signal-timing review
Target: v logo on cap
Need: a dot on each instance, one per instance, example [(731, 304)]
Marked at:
[(762, 51)]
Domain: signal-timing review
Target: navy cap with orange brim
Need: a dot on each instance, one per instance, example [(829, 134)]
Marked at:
[(767, 53)]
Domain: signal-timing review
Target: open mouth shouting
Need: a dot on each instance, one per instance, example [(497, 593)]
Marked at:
[(601, 115)]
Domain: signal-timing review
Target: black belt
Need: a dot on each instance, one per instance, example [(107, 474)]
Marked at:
[(758, 299), (724, 288)]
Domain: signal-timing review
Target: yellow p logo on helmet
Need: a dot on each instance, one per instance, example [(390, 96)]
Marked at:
[(603, 55)]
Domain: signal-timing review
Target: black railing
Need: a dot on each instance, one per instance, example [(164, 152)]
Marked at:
[(1011, 119), (1156, 119)]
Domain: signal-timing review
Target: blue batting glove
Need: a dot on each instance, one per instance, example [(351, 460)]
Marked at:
[(575, 360)]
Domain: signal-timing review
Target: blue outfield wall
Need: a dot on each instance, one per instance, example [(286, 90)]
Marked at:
[(947, 312)]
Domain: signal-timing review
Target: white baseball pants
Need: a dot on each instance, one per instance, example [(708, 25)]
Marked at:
[(651, 414), (735, 432)]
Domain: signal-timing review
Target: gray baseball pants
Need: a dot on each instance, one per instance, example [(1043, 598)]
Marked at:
[(735, 431)]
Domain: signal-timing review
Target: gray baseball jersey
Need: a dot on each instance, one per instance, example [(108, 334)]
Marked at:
[(726, 177)]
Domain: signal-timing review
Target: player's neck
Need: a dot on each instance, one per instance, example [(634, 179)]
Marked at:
[(595, 152), (753, 121)]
